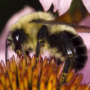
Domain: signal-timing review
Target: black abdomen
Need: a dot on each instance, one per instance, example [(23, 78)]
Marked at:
[(79, 50), (76, 44)]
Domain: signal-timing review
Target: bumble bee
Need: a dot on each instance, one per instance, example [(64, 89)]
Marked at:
[(38, 32)]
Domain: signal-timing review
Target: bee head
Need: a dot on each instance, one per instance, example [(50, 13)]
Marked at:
[(19, 37)]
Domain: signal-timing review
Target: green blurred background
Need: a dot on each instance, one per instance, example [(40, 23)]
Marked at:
[(8, 7)]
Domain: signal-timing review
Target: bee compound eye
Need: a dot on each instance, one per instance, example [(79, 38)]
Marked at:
[(17, 37)]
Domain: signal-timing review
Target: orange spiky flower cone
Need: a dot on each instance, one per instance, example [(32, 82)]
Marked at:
[(45, 75)]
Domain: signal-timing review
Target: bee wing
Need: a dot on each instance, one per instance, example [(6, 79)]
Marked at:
[(78, 28)]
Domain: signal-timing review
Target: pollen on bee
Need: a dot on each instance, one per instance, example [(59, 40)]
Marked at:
[(43, 75)]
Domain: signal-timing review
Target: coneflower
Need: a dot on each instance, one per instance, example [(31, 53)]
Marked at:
[(43, 75)]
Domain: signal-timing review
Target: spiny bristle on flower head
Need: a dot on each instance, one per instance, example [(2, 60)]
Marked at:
[(45, 75)]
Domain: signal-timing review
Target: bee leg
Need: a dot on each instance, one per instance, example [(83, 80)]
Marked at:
[(8, 43), (37, 53), (24, 53), (69, 54), (38, 50), (42, 35)]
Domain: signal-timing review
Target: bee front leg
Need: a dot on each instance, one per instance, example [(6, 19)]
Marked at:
[(70, 58), (24, 53), (41, 37), (38, 47)]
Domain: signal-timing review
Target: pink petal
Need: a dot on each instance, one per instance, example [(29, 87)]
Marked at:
[(10, 54), (86, 70), (56, 4), (46, 4), (87, 4), (85, 21), (63, 6), (85, 36)]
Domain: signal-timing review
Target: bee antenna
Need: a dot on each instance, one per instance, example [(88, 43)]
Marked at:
[(8, 43)]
